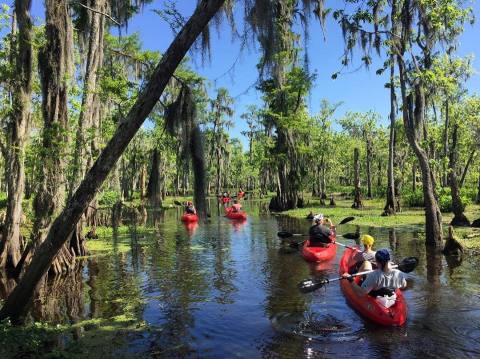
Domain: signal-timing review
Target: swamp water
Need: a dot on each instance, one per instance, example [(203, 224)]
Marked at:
[(227, 289)]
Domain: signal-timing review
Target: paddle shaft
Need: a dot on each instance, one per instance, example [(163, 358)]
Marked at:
[(360, 273), (337, 235)]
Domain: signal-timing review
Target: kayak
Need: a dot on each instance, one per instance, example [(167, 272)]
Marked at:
[(367, 305), (189, 218), (318, 254), (235, 215)]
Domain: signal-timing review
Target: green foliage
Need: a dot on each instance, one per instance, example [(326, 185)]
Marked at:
[(109, 198), (413, 199), (3, 200), (445, 200), (29, 338)]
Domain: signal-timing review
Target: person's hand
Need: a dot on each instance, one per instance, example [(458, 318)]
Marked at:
[(347, 276)]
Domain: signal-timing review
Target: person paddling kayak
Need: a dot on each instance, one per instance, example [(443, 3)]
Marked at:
[(382, 282), (189, 208), (236, 207), (367, 256), (320, 234)]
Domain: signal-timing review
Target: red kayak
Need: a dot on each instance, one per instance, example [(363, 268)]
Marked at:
[(235, 215), (189, 218), (367, 305), (318, 254)]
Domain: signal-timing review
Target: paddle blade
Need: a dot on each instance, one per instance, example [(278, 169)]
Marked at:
[(408, 264), (355, 235), (346, 220), (311, 285), (284, 234), (177, 203)]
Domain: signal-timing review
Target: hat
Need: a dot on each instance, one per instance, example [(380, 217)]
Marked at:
[(382, 256), (368, 240), (318, 217)]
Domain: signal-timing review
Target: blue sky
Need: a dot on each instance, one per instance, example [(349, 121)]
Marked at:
[(360, 90)]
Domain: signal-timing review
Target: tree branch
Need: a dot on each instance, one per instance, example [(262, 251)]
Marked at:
[(98, 12)]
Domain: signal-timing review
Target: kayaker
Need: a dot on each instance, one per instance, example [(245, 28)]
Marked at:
[(382, 281), (367, 256), (236, 207), (240, 193), (189, 208), (320, 234)]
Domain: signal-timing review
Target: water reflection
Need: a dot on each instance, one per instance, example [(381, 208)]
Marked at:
[(225, 288)]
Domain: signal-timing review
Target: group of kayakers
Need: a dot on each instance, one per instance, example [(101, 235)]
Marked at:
[(383, 280), (234, 211), (226, 197)]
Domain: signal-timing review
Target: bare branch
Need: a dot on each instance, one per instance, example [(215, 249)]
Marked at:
[(98, 12)]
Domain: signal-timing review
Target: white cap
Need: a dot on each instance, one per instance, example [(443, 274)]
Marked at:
[(318, 217)]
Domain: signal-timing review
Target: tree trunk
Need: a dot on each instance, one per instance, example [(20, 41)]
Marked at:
[(459, 218), (477, 200), (142, 180), (288, 177), (414, 177), (154, 189), (369, 168), (390, 206), (55, 63), (413, 117), (445, 146), (89, 118), (65, 223), (16, 135), (467, 166), (379, 176), (198, 165), (357, 200)]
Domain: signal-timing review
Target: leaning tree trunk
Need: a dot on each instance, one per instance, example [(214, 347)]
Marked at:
[(357, 200), (16, 135), (390, 206), (459, 218), (55, 63), (64, 224)]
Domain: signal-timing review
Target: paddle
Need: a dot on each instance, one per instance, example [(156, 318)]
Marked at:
[(298, 244), (285, 234), (407, 265), (177, 203)]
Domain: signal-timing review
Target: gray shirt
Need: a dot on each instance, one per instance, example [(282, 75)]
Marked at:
[(364, 256), (379, 279)]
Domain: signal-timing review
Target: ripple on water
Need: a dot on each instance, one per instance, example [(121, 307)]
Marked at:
[(314, 326)]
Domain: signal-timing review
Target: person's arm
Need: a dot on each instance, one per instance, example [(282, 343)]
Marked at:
[(355, 287)]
